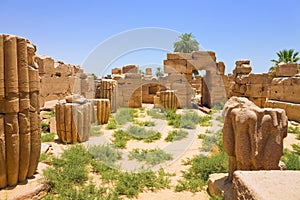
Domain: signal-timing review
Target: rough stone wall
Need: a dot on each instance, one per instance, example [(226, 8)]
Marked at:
[(59, 80), (20, 137), (74, 118), (213, 90), (285, 90), (253, 136), (244, 84)]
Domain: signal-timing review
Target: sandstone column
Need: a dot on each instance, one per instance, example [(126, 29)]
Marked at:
[(19, 111)]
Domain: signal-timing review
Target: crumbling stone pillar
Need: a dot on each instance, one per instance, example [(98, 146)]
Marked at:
[(73, 119), (20, 138), (168, 99), (252, 136), (106, 89), (103, 110)]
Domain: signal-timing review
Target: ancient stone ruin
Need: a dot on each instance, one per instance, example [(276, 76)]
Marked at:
[(253, 136), (102, 107), (20, 137), (74, 118), (71, 79)]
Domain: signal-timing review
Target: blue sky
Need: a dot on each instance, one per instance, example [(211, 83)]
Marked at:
[(71, 30)]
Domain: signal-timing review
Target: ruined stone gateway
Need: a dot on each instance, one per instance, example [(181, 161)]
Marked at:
[(253, 136)]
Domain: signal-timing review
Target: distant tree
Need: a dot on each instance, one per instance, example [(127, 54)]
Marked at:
[(285, 56), (158, 72), (186, 44), (95, 76)]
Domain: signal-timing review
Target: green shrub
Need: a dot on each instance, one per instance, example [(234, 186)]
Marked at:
[(130, 184), (68, 171), (291, 160), (211, 140), (205, 120), (294, 130), (45, 157), (45, 126), (112, 124), (296, 148), (189, 120), (139, 133), (125, 115), (176, 135), (121, 138), (105, 153), (218, 107), (144, 123), (96, 130), (195, 178), (68, 176), (48, 137), (156, 114), (150, 156)]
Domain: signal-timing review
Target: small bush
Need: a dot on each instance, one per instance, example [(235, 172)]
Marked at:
[(139, 133), (96, 130), (294, 130), (291, 160), (105, 153), (156, 114), (45, 157), (130, 184), (205, 120), (125, 115), (144, 123), (296, 148), (150, 156), (68, 172), (121, 138), (189, 120), (112, 124), (218, 107), (176, 135), (45, 124), (48, 137), (211, 140), (195, 178)]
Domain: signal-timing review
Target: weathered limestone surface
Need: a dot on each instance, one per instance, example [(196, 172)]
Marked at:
[(106, 89), (73, 119), (59, 80), (286, 69), (253, 137), (168, 99), (102, 110), (183, 64), (266, 185), (243, 84), (20, 138)]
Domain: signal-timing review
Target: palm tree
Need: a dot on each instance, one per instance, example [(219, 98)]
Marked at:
[(186, 44), (285, 56), (158, 72)]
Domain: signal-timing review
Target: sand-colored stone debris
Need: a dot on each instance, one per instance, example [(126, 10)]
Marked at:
[(243, 84), (20, 137), (253, 136), (73, 119)]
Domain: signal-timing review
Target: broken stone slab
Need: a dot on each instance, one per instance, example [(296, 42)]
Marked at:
[(266, 185), (286, 69), (217, 186)]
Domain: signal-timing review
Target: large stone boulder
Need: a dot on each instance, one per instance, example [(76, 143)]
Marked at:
[(252, 136)]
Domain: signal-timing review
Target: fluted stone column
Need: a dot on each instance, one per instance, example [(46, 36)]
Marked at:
[(20, 140)]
